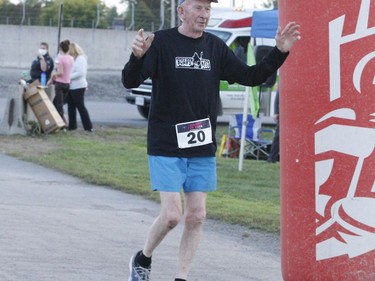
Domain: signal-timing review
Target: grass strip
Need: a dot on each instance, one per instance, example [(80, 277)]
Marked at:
[(116, 157)]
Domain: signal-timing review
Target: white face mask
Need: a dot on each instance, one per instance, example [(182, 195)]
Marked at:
[(42, 52)]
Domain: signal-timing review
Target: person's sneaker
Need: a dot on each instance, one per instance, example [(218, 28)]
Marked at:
[(138, 273)]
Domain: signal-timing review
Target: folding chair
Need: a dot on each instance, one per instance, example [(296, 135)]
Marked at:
[(255, 147)]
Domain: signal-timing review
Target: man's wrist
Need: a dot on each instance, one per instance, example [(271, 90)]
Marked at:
[(281, 50)]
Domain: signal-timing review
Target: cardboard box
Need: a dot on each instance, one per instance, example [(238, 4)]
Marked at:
[(44, 110), (50, 91)]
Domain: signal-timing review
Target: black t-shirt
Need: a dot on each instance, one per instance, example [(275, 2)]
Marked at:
[(186, 76)]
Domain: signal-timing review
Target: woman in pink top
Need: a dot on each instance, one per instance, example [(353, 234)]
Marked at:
[(61, 78)]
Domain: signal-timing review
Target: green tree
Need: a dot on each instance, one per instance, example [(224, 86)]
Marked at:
[(10, 13), (20, 14), (112, 15), (77, 13), (147, 14)]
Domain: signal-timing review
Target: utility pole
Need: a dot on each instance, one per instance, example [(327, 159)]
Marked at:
[(173, 13), (132, 21), (59, 24), (23, 12), (162, 14)]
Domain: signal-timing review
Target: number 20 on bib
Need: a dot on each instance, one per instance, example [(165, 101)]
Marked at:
[(194, 133)]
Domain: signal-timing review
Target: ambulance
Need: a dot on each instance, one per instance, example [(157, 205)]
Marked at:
[(234, 28)]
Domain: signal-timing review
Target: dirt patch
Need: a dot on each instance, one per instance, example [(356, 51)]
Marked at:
[(28, 147), (25, 146)]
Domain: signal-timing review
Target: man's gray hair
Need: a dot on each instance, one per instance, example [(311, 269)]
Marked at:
[(182, 1)]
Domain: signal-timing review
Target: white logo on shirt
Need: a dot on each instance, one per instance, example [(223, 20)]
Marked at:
[(194, 62)]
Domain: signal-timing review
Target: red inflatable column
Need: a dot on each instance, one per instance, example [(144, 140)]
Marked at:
[(327, 109)]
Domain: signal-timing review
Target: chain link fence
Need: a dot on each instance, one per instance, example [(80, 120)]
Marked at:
[(151, 16)]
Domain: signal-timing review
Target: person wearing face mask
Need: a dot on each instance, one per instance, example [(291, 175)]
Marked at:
[(42, 63)]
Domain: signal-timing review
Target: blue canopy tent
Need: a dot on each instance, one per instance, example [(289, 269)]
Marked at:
[(265, 24)]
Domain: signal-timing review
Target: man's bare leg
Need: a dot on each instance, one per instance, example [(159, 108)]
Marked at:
[(169, 217), (195, 215)]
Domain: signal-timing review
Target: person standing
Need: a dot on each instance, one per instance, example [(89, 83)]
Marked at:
[(61, 77), (42, 63), (78, 87), (275, 147), (186, 65)]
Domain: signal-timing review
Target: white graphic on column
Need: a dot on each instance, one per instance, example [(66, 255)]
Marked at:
[(351, 216)]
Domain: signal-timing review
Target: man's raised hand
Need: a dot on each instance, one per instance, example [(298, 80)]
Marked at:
[(141, 44), (286, 38)]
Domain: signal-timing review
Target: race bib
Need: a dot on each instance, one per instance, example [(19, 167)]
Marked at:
[(194, 133)]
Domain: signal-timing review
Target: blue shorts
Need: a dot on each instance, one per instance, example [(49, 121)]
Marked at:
[(170, 174)]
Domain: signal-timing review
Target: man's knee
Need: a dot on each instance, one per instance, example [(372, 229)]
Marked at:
[(172, 219), (196, 217)]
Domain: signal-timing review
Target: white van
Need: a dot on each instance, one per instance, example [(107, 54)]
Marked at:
[(233, 27)]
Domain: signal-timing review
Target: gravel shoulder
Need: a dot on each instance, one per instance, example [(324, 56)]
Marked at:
[(103, 85)]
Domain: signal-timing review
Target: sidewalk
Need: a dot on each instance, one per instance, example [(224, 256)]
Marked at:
[(56, 227)]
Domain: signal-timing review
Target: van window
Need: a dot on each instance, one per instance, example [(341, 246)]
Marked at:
[(239, 47), (221, 34)]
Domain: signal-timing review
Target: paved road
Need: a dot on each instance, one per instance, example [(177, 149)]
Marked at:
[(110, 113), (104, 113), (56, 227), (114, 113)]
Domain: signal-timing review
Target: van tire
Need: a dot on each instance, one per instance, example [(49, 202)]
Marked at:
[(143, 111)]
